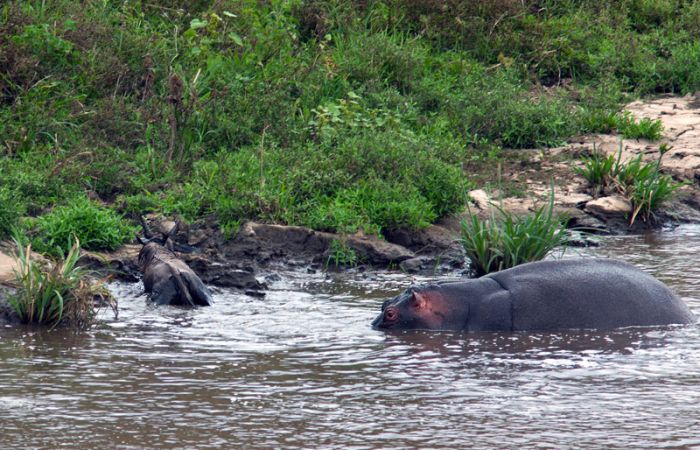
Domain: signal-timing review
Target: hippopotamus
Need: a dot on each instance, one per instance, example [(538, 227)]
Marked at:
[(543, 295), (167, 279)]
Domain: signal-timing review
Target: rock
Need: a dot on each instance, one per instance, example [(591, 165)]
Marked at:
[(267, 243), (580, 221), (440, 244), (7, 313), (373, 251), (434, 237), (480, 198), (573, 199), (7, 267), (418, 264), (611, 206), (222, 273)]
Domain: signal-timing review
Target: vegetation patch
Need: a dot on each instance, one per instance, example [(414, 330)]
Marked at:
[(341, 254), (507, 240), (97, 227), (58, 292), (337, 115), (643, 184)]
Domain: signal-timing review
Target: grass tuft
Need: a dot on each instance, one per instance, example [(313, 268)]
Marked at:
[(507, 241), (644, 128), (341, 254), (643, 184), (57, 292)]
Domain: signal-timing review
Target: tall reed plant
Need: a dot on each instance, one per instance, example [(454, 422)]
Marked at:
[(508, 240), (57, 292)]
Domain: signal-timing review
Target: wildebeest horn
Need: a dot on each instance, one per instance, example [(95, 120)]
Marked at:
[(174, 229), (146, 230)]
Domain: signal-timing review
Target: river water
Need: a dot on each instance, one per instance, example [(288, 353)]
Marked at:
[(301, 368)]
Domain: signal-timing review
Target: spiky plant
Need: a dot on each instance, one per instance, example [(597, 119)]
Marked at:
[(503, 242), (58, 291)]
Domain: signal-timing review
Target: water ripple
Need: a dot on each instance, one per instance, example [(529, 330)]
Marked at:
[(302, 369)]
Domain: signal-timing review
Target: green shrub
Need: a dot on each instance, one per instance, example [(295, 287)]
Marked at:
[(644, 185), (97, 227), (602, 121), (58, 292), (507, 241), (284, 111), (341, 254)]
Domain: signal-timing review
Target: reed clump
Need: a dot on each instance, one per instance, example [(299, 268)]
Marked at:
[(57, 292), (643, 184), (507, 240)]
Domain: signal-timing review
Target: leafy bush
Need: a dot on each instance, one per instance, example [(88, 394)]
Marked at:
[(507, 241), (58, 292), (644, 185), (601, 121), (341, 254), (285, 111), (97, 227)]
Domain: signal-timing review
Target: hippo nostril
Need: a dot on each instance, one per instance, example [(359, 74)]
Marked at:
[(391, 314)]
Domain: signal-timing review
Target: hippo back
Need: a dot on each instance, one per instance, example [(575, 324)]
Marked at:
[(588, 293)]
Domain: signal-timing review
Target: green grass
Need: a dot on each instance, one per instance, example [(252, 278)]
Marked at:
[(294, 112), (507, 240), (57, 292), (602, 121), (98, 228), (644, 128)]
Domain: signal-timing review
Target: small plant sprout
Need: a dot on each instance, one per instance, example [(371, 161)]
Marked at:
[(341, 254)]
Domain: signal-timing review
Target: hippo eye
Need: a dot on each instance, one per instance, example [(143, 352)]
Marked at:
[(391, 315)]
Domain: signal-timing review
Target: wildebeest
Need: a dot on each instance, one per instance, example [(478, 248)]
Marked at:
[(167, 279)]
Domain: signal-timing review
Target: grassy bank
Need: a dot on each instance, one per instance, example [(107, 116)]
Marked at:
[(331, 114)]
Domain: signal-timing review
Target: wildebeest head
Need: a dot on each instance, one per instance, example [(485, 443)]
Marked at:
[(166, 278)]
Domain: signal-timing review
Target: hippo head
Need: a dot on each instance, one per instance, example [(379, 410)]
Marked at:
[(415, 309)]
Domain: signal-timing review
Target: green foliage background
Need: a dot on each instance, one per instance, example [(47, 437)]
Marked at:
[(339, 115)]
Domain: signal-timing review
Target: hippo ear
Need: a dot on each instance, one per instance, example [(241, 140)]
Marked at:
[(419, 300)]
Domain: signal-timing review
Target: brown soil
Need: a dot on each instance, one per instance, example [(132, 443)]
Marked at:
[(7, 265)]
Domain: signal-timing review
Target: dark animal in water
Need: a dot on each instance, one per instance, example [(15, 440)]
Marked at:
[(167, 279), (544, 295)]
